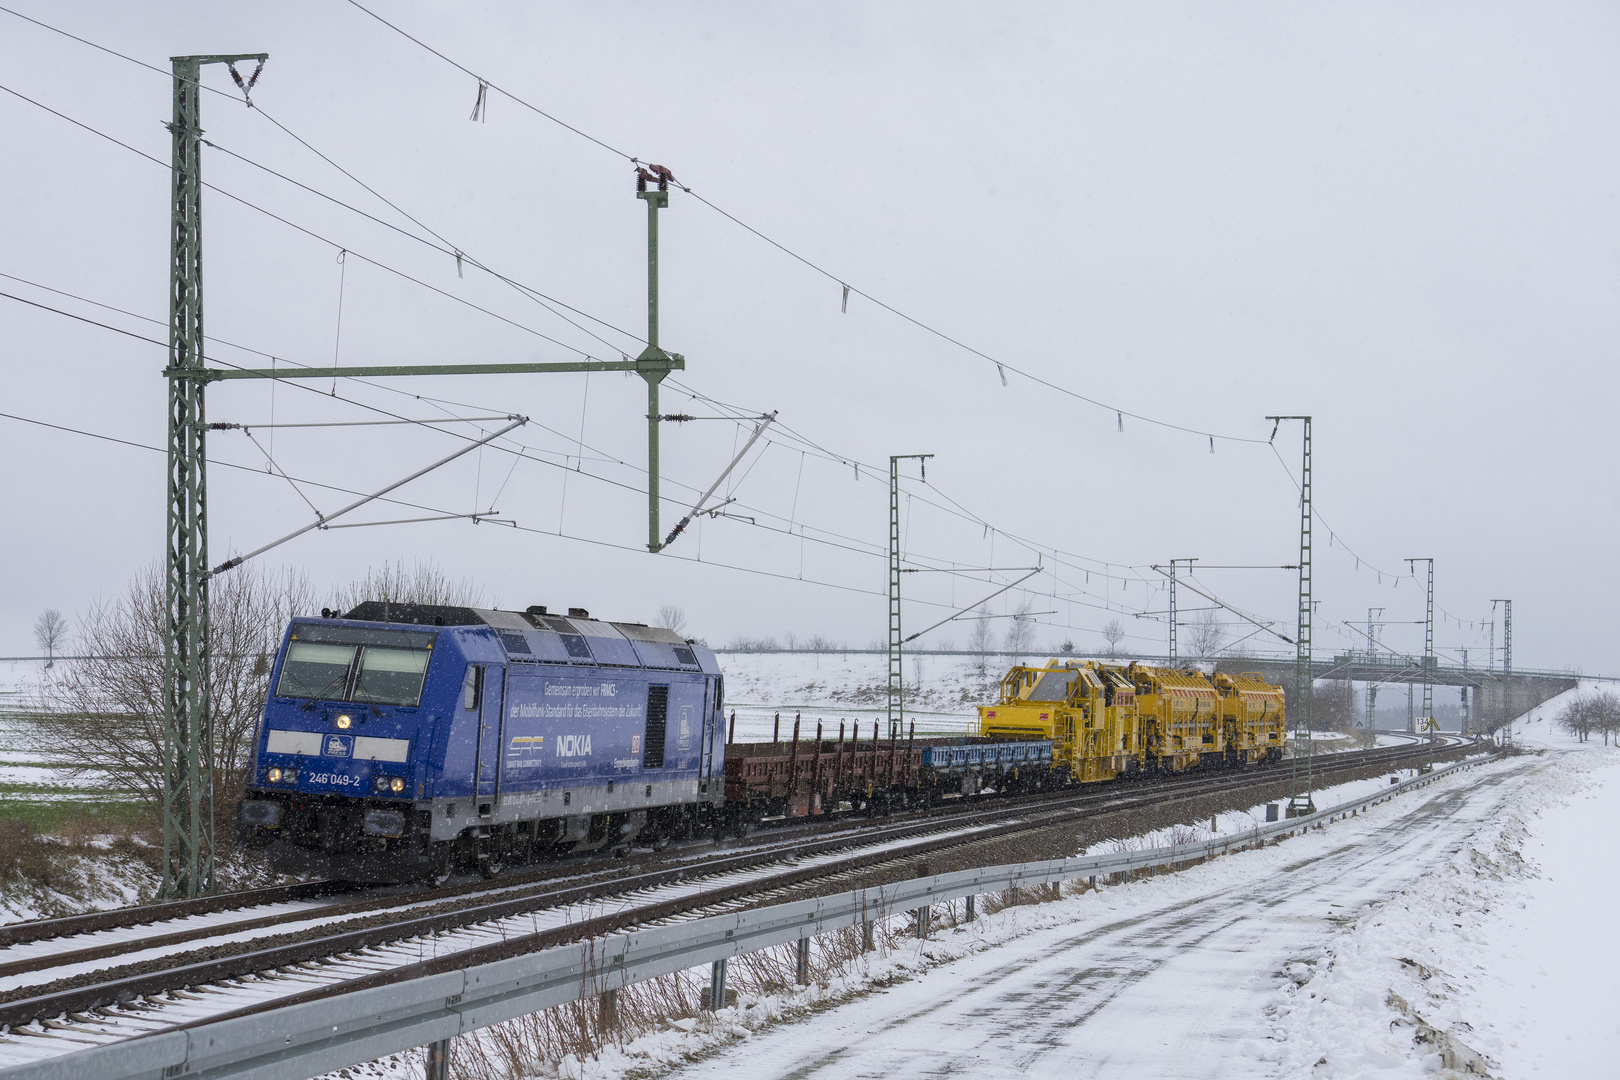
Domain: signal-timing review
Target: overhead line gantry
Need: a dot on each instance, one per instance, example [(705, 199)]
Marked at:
[(188, 783)]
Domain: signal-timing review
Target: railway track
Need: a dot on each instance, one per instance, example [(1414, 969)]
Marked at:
[(270, 957)]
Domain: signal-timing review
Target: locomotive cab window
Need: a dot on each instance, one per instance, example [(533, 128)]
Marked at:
[(315, 670), (337, 663)]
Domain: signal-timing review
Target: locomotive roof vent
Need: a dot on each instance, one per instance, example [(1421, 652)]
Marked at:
[(578, 613), (536, 609), (419, 614)]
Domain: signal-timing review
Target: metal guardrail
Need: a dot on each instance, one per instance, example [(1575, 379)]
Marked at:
[(313, 1037)]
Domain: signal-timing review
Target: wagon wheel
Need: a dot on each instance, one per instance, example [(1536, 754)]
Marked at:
[(442, 867)]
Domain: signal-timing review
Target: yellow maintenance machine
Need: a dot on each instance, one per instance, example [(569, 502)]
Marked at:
[(1087, 709), (1179, 716), (1252, 728), (1105, 721)]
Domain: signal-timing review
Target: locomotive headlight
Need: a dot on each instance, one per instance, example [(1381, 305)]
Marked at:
[(396, 785), (344, 721), (274, 776)]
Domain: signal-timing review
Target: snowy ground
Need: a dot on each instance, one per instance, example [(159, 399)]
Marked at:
[(1463, 922), (1462, 919)]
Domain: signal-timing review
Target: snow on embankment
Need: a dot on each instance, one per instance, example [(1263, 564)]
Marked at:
[(1497, 955)]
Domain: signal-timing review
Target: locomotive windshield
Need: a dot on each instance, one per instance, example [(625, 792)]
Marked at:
[(340, 663)]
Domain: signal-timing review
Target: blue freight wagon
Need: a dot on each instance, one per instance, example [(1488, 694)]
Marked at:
[(404, 741)]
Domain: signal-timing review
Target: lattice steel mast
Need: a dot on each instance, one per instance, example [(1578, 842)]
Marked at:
[(1507, 667), (188, 830), (1301, 802), (897, 708), (1372, 687), (1426, 721), (188, 736), (1428, 643)]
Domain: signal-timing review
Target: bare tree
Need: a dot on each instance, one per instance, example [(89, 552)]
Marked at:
[(1333, 706), (423, 583), (50, 631), (1206, 634), (673, 617), (1598, 712), (1113, 632), (981, 642), (1021, 634), (104, 710)]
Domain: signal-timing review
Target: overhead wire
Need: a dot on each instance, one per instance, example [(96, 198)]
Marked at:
[(344, 249), (449, 249), (809, 263)]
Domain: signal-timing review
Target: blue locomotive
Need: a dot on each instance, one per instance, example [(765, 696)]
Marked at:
[(405, 741)]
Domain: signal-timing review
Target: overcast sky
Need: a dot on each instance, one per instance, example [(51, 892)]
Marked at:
[(1398, 219)]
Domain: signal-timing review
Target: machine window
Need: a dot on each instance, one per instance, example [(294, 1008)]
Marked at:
[(313, 670), (390, 676), (1054, 686)]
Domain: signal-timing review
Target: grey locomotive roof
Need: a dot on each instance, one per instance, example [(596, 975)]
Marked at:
[(536, 635)]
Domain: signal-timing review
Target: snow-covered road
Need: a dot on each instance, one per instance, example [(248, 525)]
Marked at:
[(1206, 973)]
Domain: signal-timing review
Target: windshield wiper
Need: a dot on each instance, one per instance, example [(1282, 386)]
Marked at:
[(343, 677)]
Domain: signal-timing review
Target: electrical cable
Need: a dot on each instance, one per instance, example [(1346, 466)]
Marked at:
[(449, 249), (307, 232)]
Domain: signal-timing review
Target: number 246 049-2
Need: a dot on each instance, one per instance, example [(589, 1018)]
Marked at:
[(334, 778)]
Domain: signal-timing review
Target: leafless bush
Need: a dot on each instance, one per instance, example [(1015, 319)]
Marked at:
[(583, 1028), (1333, 706), (981, 643), (104, 712), (423, 583), (25, 855), (1206, 635), (673, 617), (1183, 834), (1021, 634), (1113, 632), (745, 644)]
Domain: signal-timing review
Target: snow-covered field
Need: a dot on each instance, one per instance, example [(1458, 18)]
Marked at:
[(942, 692)]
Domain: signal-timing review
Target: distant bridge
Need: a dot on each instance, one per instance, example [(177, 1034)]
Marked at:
[(1491, 695)]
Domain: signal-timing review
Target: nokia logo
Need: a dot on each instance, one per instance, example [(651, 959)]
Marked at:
[(573, 745)]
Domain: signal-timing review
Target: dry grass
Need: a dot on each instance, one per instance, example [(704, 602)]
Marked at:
[(583, 1028), (29, 856)]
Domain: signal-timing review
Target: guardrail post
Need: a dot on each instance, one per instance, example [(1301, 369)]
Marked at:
[(1093, 882), (922, 914), (803, 972), (717, 986), (438, 1060), (866, 935), (607, 1010), (971, 915)]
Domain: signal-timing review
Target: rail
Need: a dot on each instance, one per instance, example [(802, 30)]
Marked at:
[(304, 1039)]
